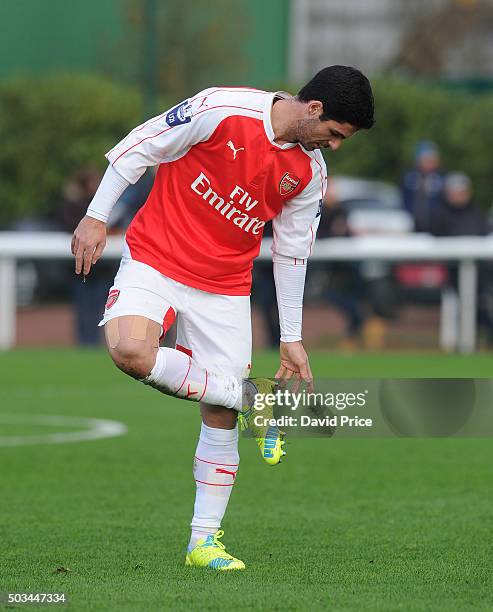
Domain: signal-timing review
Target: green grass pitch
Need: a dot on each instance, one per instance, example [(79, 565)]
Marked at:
[(342, 524)]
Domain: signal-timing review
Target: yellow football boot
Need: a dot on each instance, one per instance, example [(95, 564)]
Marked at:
[(255, 415), (210, 552)]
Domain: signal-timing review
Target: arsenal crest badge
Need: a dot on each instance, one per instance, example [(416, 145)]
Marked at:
[(112, 297), (288, 184)]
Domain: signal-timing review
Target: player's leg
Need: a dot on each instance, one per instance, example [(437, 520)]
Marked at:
[(141, 303), (133, 343), (218, 416), (215, 465), (175, 373), (215, 330)]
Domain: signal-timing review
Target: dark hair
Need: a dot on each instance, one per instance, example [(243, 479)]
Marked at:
[(345, 93)]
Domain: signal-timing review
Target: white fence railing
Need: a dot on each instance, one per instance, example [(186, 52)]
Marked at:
[(466, 251)]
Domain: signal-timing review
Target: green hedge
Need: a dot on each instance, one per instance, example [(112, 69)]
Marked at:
[(49, 127), (408, 112)]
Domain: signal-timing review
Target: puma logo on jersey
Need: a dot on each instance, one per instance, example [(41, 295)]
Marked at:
[(232, 147), (223, 471), (203, 103), (190, 392)]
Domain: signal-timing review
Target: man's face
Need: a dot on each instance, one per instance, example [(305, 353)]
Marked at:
[(315, 134), (458, 197), (428, 162)]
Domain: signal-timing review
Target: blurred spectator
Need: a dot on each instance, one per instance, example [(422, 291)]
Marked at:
[(364, 292), (346, 288), (422, 186), (89, 297), (76, 196), (457, 215)]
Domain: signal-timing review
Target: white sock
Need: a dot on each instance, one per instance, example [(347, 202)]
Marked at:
[(214, 468), (175, 373)]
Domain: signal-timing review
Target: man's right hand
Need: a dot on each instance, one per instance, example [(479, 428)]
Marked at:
[(88, 243), (294, 360)]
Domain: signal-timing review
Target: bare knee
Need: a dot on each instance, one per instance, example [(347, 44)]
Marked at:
[(132, 345), (133, 359)]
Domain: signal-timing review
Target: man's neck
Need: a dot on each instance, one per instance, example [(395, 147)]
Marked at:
[(282, 113)]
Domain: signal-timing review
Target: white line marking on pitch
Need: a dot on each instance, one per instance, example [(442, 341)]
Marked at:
[(94, 429)]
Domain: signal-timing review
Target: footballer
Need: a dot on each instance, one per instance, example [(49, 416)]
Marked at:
[(229, 160)]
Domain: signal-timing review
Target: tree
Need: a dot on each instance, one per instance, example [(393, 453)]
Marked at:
[(197, 46), (446, 38), (49, 128)]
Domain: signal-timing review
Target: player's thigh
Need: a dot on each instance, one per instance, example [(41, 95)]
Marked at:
[(141, 306), (216, 331), (140, 290)]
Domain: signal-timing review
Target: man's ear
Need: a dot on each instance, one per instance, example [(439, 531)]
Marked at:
[(315, 108)]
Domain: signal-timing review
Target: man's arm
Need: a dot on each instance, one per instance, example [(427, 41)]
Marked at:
[(161, 139), (289, 277), (89, 237), (294, 233)]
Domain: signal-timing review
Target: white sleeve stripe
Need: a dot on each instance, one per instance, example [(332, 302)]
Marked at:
[(254, 110), (313, 238), (234, 90), (321, 176), (140, 142), (322, 181), (154, 120)]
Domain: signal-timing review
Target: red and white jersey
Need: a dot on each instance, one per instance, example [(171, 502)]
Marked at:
[(221, 178)]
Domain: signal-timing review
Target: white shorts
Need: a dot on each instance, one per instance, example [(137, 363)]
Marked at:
[(215, 330)]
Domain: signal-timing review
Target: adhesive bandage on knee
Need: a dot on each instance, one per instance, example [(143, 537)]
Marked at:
[(139, 330), (112, 333), (175, 373)]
